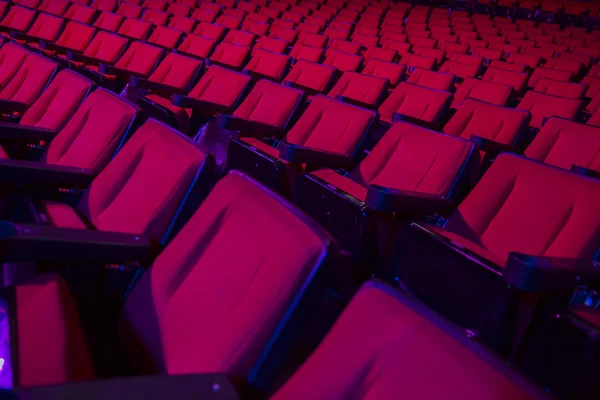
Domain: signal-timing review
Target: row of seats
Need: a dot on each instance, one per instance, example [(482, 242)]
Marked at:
[(403, 159)]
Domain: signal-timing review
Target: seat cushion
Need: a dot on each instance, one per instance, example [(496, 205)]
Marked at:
[(51, 344)]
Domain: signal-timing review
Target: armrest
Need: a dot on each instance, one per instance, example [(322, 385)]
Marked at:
[(585, 171), (23, 36), (29, 172), (492, 148), (307, 90), (53, 244), (197, 386), (397, 117), (78, 57), (204, 106), (314, 158), (407, 202), (356, 102), (252, 128), (163, 90), (55, 47), (539, 274), (25, 132), (9, 107), (118, 72)]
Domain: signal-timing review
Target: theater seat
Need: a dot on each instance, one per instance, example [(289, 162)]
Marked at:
[(197, 46), (155, 17), (45, 27), (504, 77), (283, 33), (105, 48), (165, 37), (343, 46), (415, 101), (362, 90), (312, 77), (558, 88), (267, 64), (211, 31), (408, 158), (508, 66), (343, 61), (563, 64), (230, 55), (129, 10), (309, 53), (530, 60), (555, 74), (391, 71), (319, 130), (593, 86), (270, 44), (11, 59), (542, 106), (565, 144), (108, 21), (135, 29), (30, 80), (54, 7), (241, 38), (413, 61), (499, 124), (18, 19), (182, 23), (392, 352), (387, 55), (463, 71), (493, 93), (431, 79), (80, 13)]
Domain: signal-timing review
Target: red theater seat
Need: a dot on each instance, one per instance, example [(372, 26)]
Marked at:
[(18, 18), (361, 90), (391, 71), (413, 61), (415, 101), (182, 23), (54, 7), (211, 31), (554, 74), (11, 59), (343, 46), (493, 93), (528, 60), (181, 10), (284, 34), (542, 106), (505, 77), (270, 44), (559, 88), (267, 64), (458, 69), (343, 61), (565, 144), (103, 5), (309, 53), (108, 21), (135, 29), (105, 48), (80, 13), (431, 79), (165, 37), (311, 77), (197, 46), (240, 38), (312, 39), (392, 365)]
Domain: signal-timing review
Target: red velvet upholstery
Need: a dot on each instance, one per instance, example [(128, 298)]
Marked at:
[(180, 10), (220, 86), (211, 31), (140, 57), (129, 10), (269, 103), (165, 37), (391, 71), (12, 57), (459, 69), (416, 61), (392, 350), (555, 74), (415, 101), (270, 44), (198, 46), (18, 18), (283, 33), (54, 7), (311, 75), (431, 79), (523, 206), (304, 52), (543, 105), (136, 29), (103, 5), (182, 23), (559, 88), (494, 93), (563, 64), (80, 13), (268, 64), (230, 54), (408, 157), (46, 27), (530, 61), (474, 117), (240, 38), (363, 88), (565, 143), (249, 307), (504, 77), (344, 46), (106, 47), (177, 71), (109, 21), (30, 80), (91, 136)]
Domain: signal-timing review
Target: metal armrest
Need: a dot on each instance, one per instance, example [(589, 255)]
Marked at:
[(407, 202), (539, 274), (9, 107), (356, 102), (25, 132), (159, 88), (78, 57), (397, 117), (585, 171), (35, 243), (118, 72), (251, 128), (21, 172), (492, 148), (314, 158), (204, 106)]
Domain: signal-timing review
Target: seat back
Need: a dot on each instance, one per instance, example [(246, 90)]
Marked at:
[(180, 10), (523, 206), (343, 61), (106, 46), (309, 53), (500, 76), (46, 27), (494, 93), (182, 23), (211, 31), (58, 103), (11, 58), (198, 46), (542, 106), (155, 17), (177, 71), (331, 125), (269, 103), (152, 317), (558, 88), (18, 18), (391, 71), (461, 70), (92, 135), (165, 37), (30, 80), (415, 101), (413, 61), (80, 13), (76, 36), (270, 44), (109, 21), (565, 143), (220, 86), (240, 38), (416, 159), (129, 10), (140, 190), (268, 64), (563, 64), (554, 74), (104, 5), (366, 89), (431, 79), (140, 57), (54, 7), (475, 117), (391, 352), (135, 28), (311, 75)]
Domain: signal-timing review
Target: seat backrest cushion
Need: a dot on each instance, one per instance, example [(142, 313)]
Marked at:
[(494, 93), (311, 75), (30, 80), (364, 88), (11, 58), (542, 105), (140, 57), (415, 101), (220, 85), (269, 103), (176, 70)]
